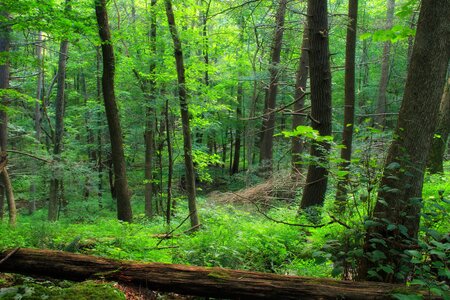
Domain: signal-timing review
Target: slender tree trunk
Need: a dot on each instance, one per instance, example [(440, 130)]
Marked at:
[(349, 103), (439, 144), (385, 66), (319, 58), (399, 196), (170, 166), (124, 211), (182, 93), (4, 101), (300, 88), (90, 136), (99, 130), (59, 131), (149, 117), (237, 142), (268, 127)]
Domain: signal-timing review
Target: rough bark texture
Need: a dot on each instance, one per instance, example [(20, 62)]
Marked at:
[(385, 65), (122, 193), (401, 185), (437, 151), (237, 141), (60, 108), (268, 127), (349, 103), (300, 88), (209, 282), (5, 187), (320, 78), (182, 93)]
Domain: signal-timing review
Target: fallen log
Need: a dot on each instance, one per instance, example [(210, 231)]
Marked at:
[(190, 280)]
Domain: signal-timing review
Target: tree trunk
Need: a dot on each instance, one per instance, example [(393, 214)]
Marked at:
[(59, 131), (169, 204), (182, 93), (150, 92), (349, 103), (385, 66), (99, 130), (439, 144), (399, 196), (268, 127), (4, 101), (300, 88), (191, 280), (124, 211), (319, 71), (237, 141)]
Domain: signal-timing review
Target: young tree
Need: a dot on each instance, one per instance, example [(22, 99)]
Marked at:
[(183, 96), (268, 126), (6, 186), (385, 66), (436, 157), (399, 196), (56, 181), (320, 78), (349, 103), (123, 195)]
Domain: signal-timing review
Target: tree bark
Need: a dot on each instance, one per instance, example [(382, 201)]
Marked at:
[(399, 196), (300, 88), (208, 282), (349, 103), (319, 58), (57, 177), (268, 126), (183, 96), (124, 211), (237, 141), (4, 101), (385, 65), (439, 144)]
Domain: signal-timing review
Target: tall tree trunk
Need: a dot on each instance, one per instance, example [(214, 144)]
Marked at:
[(399, 196), (349, 103), (149, 117), (169, 205), (319, 71), (99, 130), (385, 66), (57, 176), (237, 142), (439, 144), (123, 195), (4, 101), (300, 88), (268, 127), (182, 93)]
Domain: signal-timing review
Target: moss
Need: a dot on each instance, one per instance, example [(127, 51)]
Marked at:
[(219, 275), (88, 290)]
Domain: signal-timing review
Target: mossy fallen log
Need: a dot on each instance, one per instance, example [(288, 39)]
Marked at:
[(190, 280)]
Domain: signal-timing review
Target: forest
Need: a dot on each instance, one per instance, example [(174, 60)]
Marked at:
[(228, 149)]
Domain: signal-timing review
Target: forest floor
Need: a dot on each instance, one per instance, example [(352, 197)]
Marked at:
[(237, 232)]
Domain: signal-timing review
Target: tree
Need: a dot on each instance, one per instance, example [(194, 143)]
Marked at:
[(268, 126), (439, 144), (397, 211), (184, 109), (56, 181), (385, 66), (6, 187), (123, 195), (320, 78), (349, 103)]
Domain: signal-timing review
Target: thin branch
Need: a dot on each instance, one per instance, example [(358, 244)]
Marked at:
[(9, 255), (233, 8), (280, 109), (30, 155), (167, 235)]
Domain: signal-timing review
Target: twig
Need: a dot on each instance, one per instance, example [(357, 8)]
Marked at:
[(280, 109), (167, 235), (233, 8), (9, 255), (164, 247), (30, 155)]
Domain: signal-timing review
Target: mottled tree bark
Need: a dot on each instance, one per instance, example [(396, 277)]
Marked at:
[(400, 193), (122, 193), (349, 103), (183, 96), (320, 78), (268, 126)]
